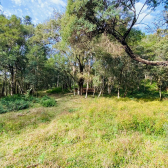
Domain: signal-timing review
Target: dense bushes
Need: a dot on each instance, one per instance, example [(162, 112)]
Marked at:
[(13, 103), (19, 102), (47, 101)]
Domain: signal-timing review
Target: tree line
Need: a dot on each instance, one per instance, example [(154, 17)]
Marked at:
[(94, 44)]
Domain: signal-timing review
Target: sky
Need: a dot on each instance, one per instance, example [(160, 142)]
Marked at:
[(41, 10), (38, 10)]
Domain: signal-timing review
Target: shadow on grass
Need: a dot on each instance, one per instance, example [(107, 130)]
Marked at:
[(140, 95)]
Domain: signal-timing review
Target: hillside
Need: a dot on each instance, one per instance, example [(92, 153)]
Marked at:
[(93, 132)]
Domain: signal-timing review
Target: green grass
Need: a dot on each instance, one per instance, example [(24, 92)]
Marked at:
[(93, 132)]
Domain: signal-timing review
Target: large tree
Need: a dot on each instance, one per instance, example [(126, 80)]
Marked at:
[(115, 18)]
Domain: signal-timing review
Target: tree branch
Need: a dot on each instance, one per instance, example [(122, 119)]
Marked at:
[(133, 56)]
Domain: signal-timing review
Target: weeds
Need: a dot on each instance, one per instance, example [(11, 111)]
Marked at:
[(104, 132)]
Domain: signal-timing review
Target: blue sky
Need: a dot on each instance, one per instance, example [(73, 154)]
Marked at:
[(40, 10)]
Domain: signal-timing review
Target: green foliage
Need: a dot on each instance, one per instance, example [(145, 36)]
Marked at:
[(57, 90), (13, 103), (17, 105), (16, 102), (2, 110), (47, 101)]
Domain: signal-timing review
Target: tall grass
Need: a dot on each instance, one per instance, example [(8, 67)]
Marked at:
[(104, 132)]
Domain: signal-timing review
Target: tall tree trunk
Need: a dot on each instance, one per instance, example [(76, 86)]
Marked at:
[(100, 93), (81, 80), (118, 92), (13, 89), (3, 88), (109, 85), (87, 89), (6, 89), (88, 78), (58, 81), (103, 85), (94, 91), (80, 85), (125, 93), (160, 93)]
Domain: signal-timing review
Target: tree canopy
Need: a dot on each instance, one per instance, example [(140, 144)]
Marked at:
[(115, 18)]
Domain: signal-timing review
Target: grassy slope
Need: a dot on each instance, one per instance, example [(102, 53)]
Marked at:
[(104, 132)]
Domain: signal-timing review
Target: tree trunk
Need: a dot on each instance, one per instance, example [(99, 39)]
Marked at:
[(80, 86), (94, 91), (160, 93), (88, 78), (87, 89), (58, 81), (81, 80), (109, 85), (13, 89), (100, 93), (3, 88), (125, 93), (103, 85), (118, 92)]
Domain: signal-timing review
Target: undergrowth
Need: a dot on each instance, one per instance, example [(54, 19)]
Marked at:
[(20, 102), (99, 132), (57, 90), (47, 101)]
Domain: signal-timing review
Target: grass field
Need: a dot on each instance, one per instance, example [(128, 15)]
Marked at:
[(92, 132)]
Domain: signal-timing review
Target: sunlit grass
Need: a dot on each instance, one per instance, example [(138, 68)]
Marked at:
[(93, 132)]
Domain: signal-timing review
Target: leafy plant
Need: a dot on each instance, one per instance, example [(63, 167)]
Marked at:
[(47, 101), (2, 110), (16, 102)]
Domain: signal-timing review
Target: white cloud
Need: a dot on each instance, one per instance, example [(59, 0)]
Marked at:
[(145, 16), (17, 2), (7, 13), (139, 6), (143, 13), (1, 8), (38, 10), (59, 2)]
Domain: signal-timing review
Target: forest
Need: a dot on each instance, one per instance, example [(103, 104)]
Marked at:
[(85, 88)]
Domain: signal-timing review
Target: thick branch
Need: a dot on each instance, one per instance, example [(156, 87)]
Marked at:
[(138, 59), (133, 56)]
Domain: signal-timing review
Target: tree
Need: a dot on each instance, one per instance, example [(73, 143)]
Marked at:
[(12, 47), (81, 49), (27, 20), (115, 18)]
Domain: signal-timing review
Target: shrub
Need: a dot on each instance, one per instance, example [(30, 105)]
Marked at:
[(15, 103), (32, 99), (18, 105), (57, 90), (2, 110), (47, 101)]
